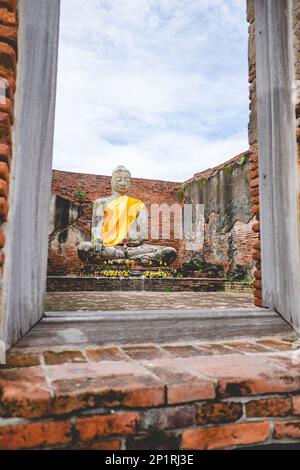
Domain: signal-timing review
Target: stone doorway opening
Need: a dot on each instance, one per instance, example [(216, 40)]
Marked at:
[(224, 265), (205, 390)]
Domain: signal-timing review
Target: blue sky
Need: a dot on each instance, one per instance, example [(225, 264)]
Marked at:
[(160, 86)]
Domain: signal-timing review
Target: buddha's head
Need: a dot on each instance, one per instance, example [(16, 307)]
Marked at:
[(120, 180)]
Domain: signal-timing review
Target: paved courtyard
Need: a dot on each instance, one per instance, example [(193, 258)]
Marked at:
[(94, 301)]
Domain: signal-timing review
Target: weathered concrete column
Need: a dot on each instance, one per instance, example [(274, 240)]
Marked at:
[(24, 278), (277, 155)]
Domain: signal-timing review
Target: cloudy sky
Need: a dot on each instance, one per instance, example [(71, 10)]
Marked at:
[(157, 85)]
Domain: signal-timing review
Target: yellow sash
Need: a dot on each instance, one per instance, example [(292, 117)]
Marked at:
[(119, 215)]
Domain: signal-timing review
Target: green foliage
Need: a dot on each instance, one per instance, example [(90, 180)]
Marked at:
[(201, 183), (228, 170), (80, 194), (169, 289), (242, 160), (181, 192), (248, 281)]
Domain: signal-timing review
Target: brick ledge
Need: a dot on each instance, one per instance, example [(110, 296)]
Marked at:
[(200, 396)]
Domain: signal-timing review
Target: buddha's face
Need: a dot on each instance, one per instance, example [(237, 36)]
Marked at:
[(121, 182)]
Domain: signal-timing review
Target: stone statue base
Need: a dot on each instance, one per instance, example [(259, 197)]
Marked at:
[(143, 254)]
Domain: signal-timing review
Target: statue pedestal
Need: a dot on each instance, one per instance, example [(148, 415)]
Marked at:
[(145, 255)]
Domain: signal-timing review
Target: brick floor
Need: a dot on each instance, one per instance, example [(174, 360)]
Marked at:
[(199, 396)]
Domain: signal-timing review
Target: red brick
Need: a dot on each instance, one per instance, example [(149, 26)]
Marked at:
[(255, 209), (258, 303), (296, 404), (53, 357), (258, 293), (254, 200), (93, 427), (256, 227), (32, 435), (253, 174), (5, 128), (183, 351), (223, 412), (254, 191), (22, 360), (214, 349), (3, 208), (254, 183), (2, 239), (7, 17), (8, 34), (253, 158), (256, 246), (258, 284), (7, 107), (253, 166), (268, 407), (247, 346), (251, 374), (24, 393), (5, 153), (276, 344), (7, 57), (160, 419), (105, 354), (143, 352), (3, 188), (105, 383), (186, 392), (109, 444), (229, 435), (11, 5), (257, 274), (154, 441), (256, 255), (4, 171), (287, 429)]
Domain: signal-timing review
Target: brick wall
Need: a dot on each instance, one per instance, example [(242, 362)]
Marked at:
[(253, 174), (71, 212), (8, 61), (228, 217), (200, 396), (225, 193)]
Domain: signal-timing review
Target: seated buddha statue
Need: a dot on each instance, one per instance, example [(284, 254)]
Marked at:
[(120, 227)]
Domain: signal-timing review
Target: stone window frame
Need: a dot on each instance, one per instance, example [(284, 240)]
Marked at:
[(24, 275)]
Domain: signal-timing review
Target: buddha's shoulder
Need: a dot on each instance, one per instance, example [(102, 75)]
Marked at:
[(103, 200)]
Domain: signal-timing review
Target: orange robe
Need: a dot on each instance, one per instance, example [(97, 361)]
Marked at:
[(119, 215)]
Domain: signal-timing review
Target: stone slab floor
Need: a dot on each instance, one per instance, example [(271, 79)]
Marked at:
[(108, 301)]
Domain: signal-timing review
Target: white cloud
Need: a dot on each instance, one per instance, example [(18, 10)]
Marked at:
[(158, 85)]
